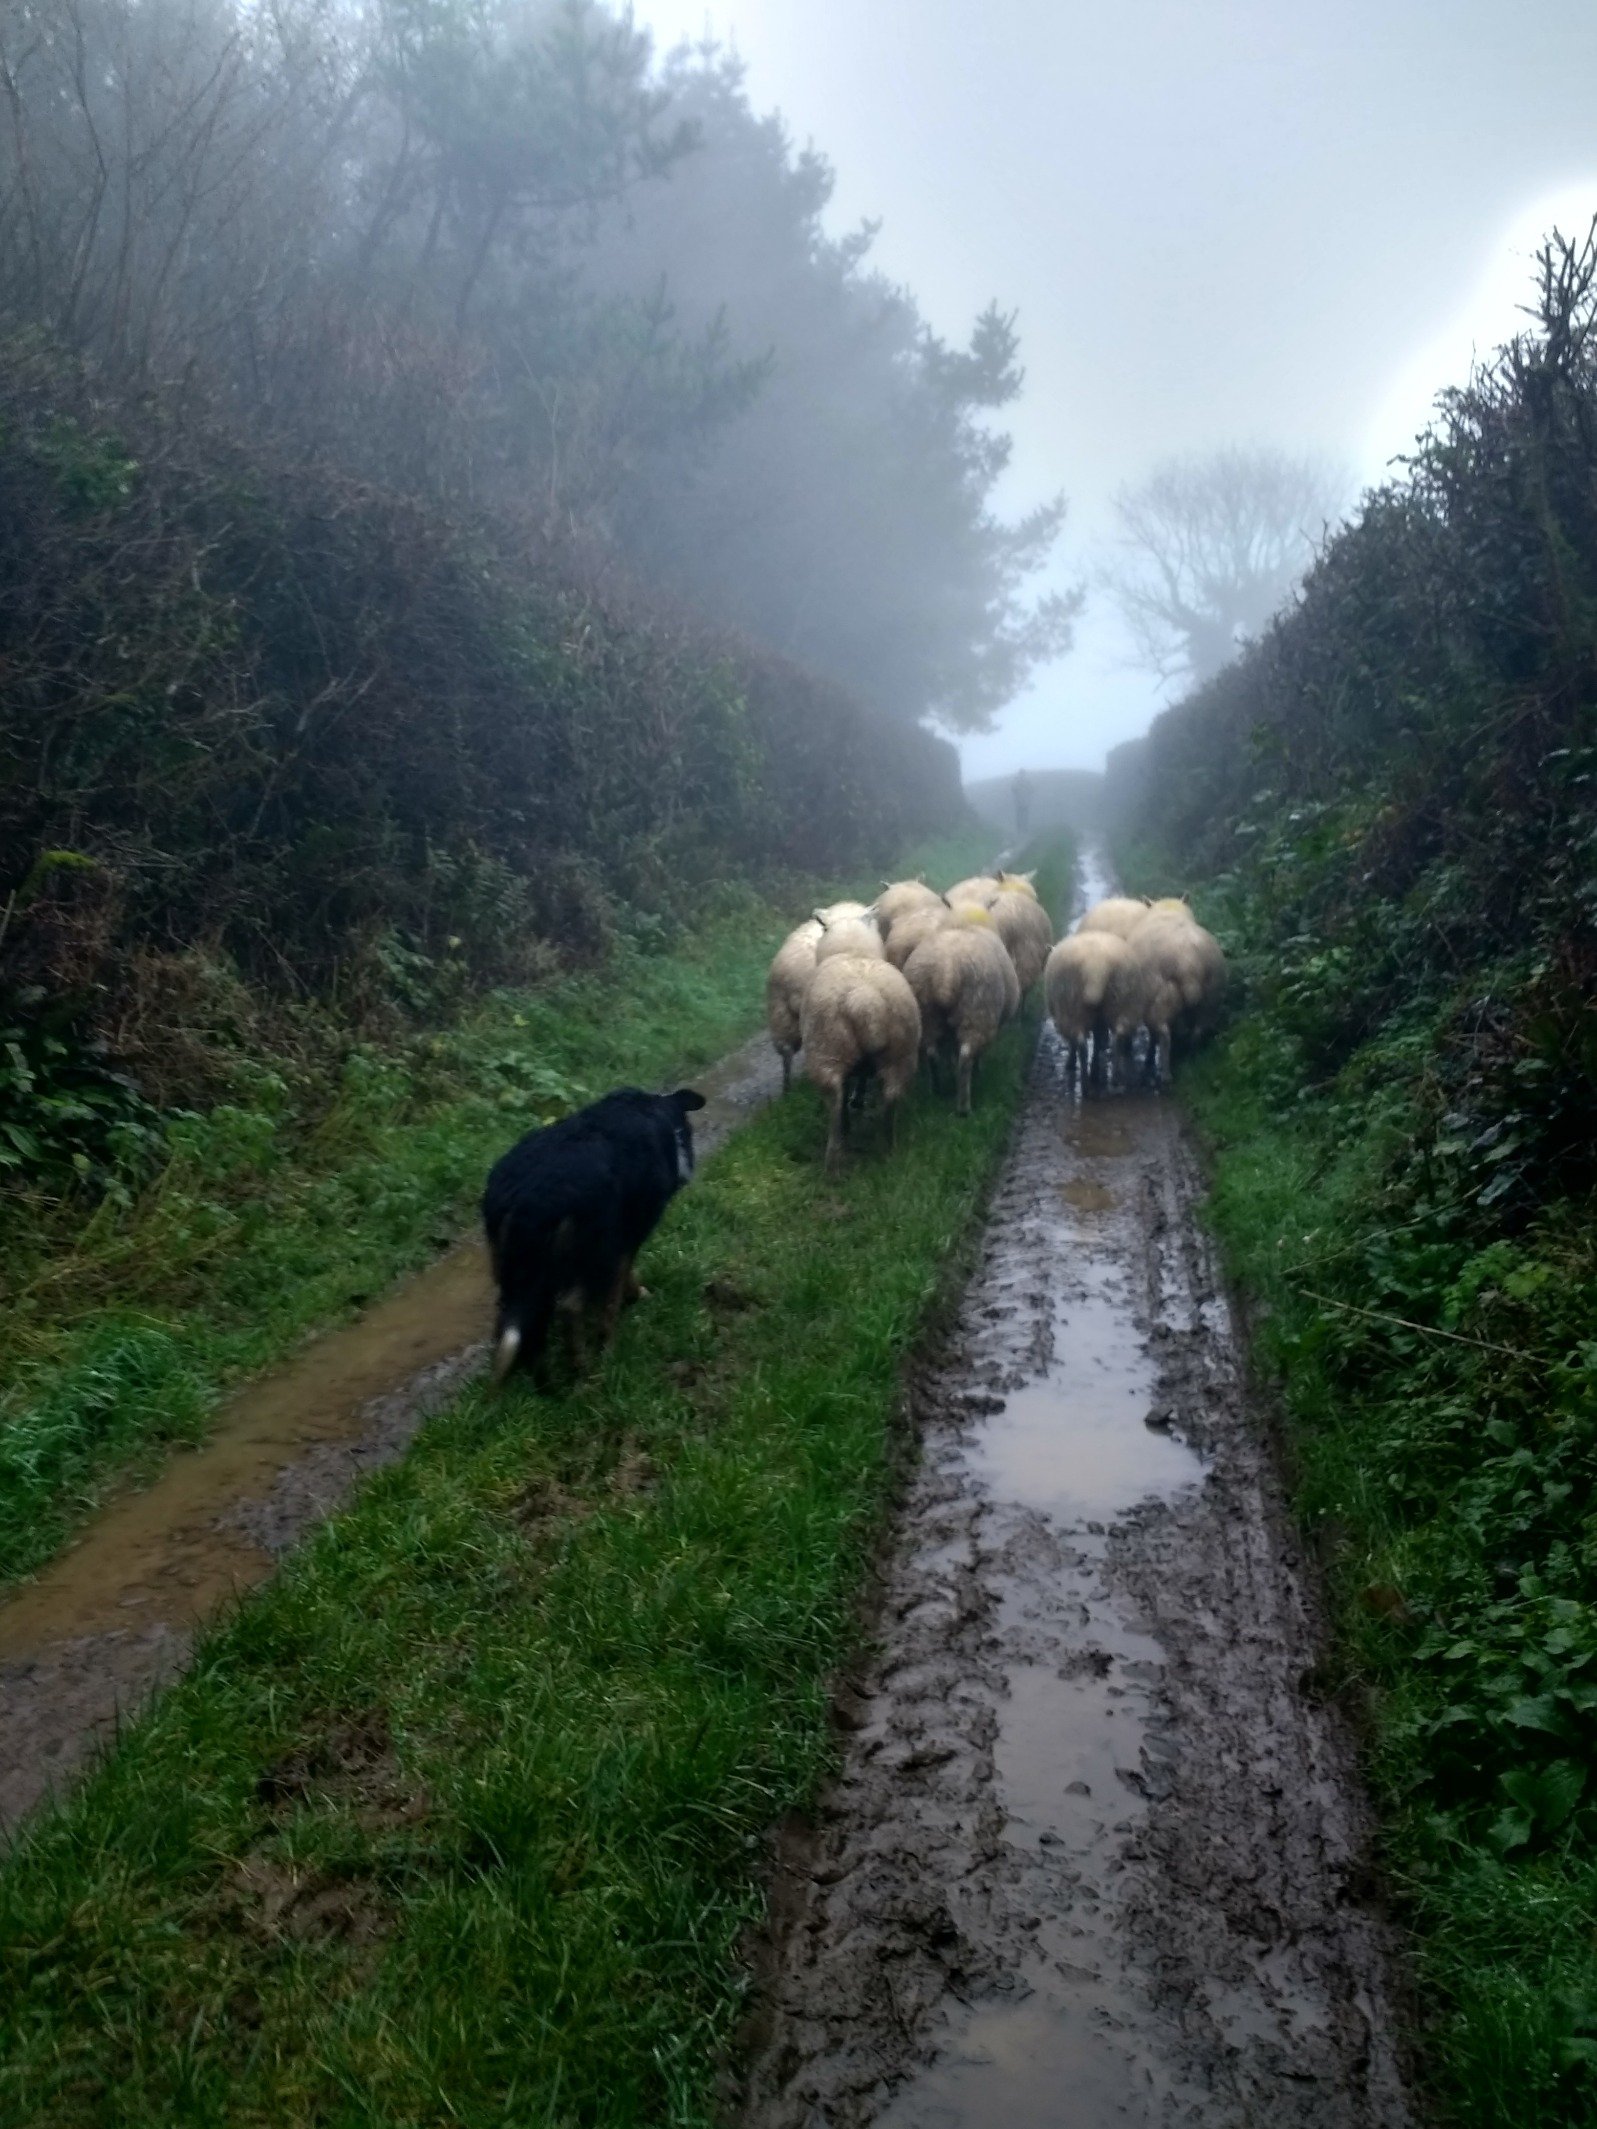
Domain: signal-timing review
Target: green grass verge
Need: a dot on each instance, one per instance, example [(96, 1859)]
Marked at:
[(128, 1319), (463, 1818), (1438, 1382)]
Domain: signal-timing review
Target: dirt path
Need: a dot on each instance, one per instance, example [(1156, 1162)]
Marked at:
[(1096, 1854), (115, 1616)]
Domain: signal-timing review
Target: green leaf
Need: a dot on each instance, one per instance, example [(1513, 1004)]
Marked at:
[(1538, 1712), (1547, 1794), (1510, 1829)]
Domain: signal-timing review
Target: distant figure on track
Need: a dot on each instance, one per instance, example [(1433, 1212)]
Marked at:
[(1022, 803)]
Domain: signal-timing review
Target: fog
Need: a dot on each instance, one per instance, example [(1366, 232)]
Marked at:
[(1234, 223), (872, 385)]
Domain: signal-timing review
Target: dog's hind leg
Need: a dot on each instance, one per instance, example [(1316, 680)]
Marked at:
[(572, 1311), (623, 1288)]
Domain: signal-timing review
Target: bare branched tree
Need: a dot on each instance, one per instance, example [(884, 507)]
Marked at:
[(1210, 549)]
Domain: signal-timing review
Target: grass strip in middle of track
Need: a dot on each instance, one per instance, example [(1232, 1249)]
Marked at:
[(464, 1816)]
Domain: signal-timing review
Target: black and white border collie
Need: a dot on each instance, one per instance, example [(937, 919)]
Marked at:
[(567, 1210)]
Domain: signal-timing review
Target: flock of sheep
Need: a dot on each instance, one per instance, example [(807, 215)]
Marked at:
[(867, 992)]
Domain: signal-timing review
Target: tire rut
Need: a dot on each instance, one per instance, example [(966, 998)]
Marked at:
[(1093, 1852), (116, 1615)]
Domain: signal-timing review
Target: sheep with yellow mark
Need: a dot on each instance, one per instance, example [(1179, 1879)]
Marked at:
[(1117, 913), (1173, 978)]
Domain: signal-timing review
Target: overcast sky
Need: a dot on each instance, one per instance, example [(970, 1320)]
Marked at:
[(1221, 221)]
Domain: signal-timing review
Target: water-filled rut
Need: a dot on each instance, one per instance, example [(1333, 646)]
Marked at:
[(1096, 1853), (116, 1614)]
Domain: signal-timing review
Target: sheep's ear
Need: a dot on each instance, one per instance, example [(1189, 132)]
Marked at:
[(687, 1099), (945, 901), (1028, 877), (818, 916)]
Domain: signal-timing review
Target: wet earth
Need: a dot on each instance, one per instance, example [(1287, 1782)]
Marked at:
[(116, 1614), (1096, 1854)]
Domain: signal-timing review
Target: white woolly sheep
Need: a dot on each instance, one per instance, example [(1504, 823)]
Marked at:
[(1119, 913), (908, 931), (835, 912), (859, 1022), (899, 898), (1197, 962), (1022, 923), (785, 985), (859, 935), (1141, 993), (1174, 976), (1075, 984), (981, 889), (1017, 883), (963, 979)]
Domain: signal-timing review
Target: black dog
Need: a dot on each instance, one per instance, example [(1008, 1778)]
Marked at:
[(570, 1206)]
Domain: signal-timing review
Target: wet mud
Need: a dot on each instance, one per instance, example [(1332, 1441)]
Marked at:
[(115, 1616), (1096, 1854)]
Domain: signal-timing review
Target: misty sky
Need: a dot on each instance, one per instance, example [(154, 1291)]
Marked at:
[(1254, 221)]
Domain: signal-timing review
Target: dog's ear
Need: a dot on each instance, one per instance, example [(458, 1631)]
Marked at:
[(686, 1099)]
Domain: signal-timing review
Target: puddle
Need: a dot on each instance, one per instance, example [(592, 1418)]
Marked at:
[(114, 1614), (1075, 1443)]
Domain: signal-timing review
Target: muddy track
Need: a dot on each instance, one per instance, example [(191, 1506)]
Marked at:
[(1096, 1853), (116, 1616)]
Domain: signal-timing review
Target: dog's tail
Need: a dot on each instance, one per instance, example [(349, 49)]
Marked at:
[(528, 1302), (506, 1352)]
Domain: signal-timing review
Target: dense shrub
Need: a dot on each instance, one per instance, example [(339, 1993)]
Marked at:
[(1388, 807), (269, 723)]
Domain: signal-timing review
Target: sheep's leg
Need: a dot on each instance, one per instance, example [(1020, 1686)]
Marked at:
[(786, 1056), (967, 1065), (835, 1135), (1159, 1056), (891, 1112)]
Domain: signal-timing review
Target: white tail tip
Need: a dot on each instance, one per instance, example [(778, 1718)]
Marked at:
[(505, 1352)]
